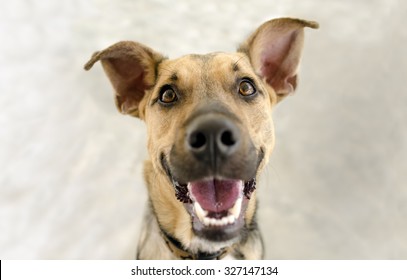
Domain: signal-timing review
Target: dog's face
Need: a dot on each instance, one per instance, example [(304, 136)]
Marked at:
[(210, 130)]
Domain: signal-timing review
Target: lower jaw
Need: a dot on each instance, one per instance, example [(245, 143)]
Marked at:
[(215, 233)]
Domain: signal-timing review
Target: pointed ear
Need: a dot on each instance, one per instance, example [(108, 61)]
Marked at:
[(131, 68), (274, 50)]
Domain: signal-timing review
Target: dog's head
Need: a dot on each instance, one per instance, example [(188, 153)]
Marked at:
[(209, 125)]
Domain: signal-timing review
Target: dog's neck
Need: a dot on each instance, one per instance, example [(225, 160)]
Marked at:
[(179, 252)]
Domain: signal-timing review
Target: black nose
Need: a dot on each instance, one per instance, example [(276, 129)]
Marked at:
[(212, 138)]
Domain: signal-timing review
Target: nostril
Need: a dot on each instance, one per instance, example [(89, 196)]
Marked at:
[(227, 138), (197, 140)]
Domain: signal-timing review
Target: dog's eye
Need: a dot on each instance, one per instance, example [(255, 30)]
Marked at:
[(168, 95), (246, 88)]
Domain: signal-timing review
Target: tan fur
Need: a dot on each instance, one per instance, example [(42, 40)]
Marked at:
[(137, 73)]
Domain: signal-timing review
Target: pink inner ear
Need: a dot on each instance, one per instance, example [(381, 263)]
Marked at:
[(269, 70), (278, 65), (126, 69), (128, 79)]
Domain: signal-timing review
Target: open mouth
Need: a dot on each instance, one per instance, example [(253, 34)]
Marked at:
[(216, 205)]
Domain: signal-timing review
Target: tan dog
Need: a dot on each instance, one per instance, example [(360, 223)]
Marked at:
[(210, 133)]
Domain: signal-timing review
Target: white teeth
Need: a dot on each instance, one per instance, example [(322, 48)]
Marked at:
[(218, 222), (235, 210), (234, 214), (200, 212)]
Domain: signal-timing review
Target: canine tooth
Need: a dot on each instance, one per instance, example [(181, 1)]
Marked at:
[(200, 212), (235, 210), (231, 219)]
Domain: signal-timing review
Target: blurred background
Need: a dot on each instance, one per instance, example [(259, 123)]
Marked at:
[(71, 182)]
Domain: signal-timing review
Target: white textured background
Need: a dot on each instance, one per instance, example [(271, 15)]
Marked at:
[(70, 164)]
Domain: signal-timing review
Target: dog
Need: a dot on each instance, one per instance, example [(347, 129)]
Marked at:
[(210, 133)]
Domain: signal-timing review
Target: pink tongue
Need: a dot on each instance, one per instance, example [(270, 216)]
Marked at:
[(216, 195)]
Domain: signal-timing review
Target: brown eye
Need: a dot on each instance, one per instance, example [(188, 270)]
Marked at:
[(168, 95), (246, 88)]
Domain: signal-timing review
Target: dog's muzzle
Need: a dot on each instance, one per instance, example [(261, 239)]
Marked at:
[(213, 167)]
